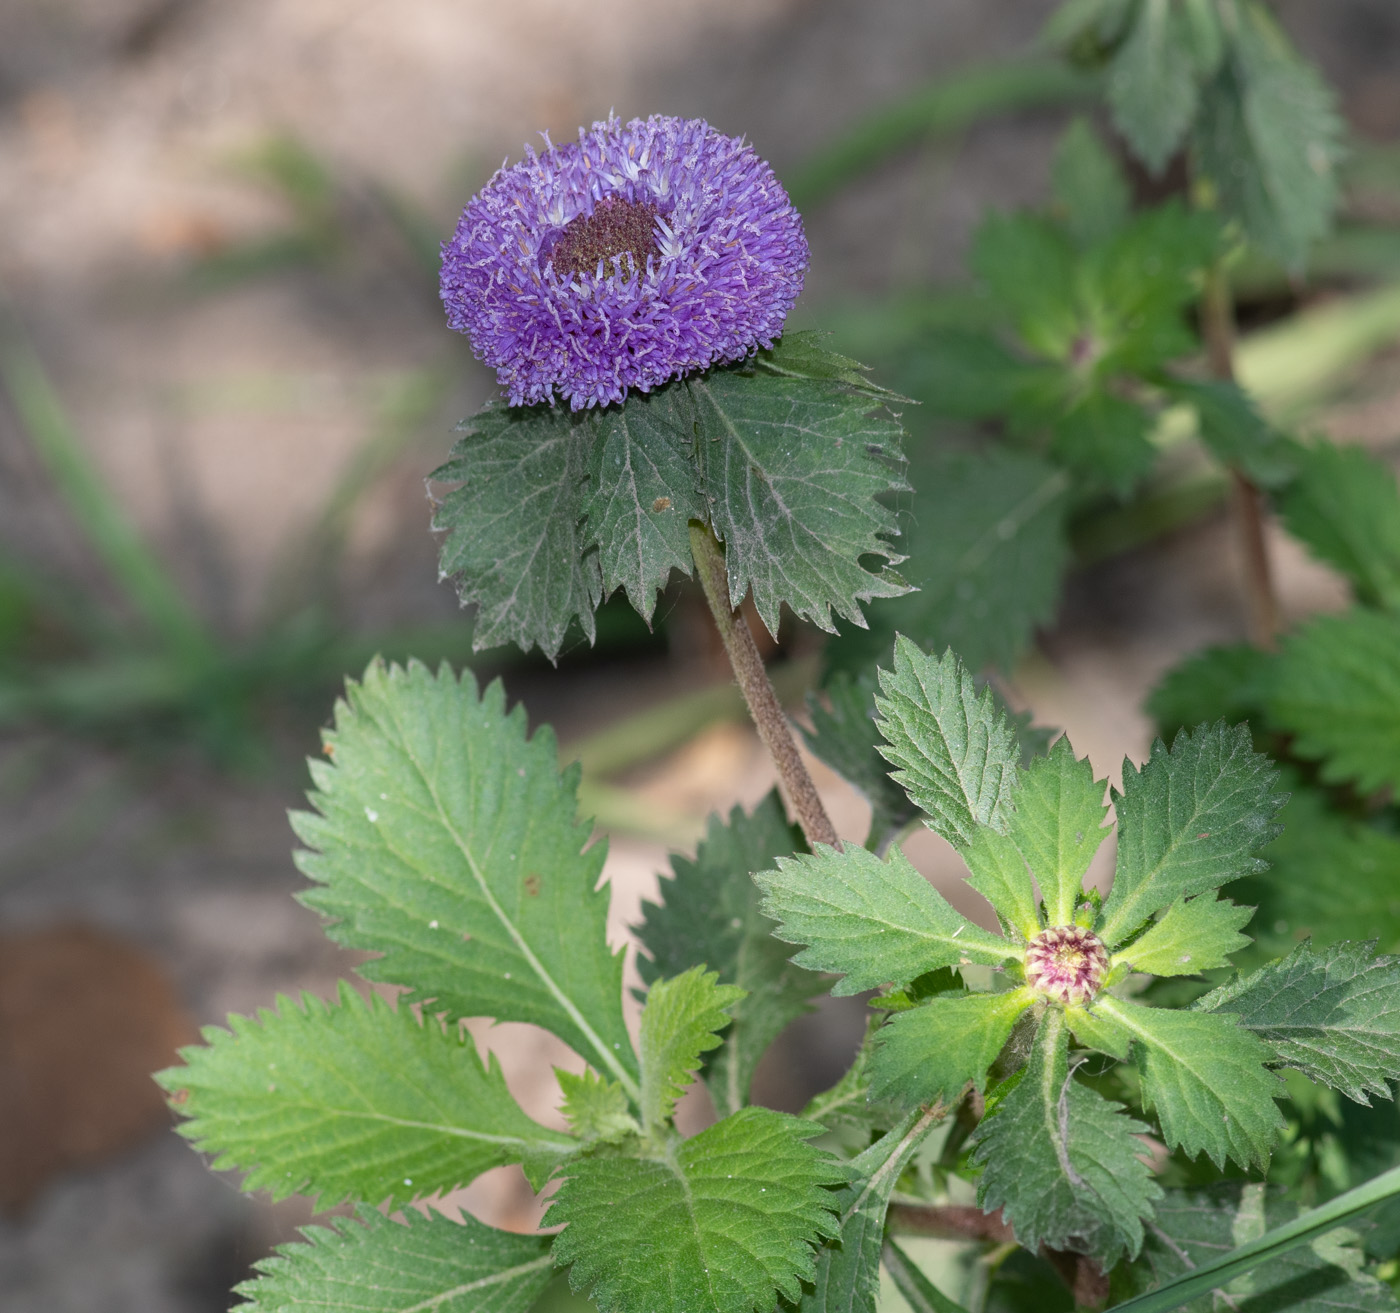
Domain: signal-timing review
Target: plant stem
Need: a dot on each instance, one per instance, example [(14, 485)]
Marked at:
[(801, 794), (1218, 322)]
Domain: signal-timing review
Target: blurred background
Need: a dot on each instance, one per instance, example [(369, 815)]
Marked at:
[(224, 377)]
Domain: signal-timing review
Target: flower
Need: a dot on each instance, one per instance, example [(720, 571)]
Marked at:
[(643, 252)]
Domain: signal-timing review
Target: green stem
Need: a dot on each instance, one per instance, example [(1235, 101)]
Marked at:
[(1218, 322), (801, 794)]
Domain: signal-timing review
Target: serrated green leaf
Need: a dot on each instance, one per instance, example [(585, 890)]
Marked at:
[(1193, 935), (1216, 683), (1058, 826), (374, 1265), (847, 1279), (792, 469), (1204, 1078), (997, 870), (954, 751), (844, 736), (1334, 1015), (641, 493), (1194, 1228), (931, 1052), (725, 1221), (678, 1024), (1234, 431), (711, 915), (447, 842), (1267, 137), (514, 539), (869, 920), (1090, 190), (354, 1101), (987, 552), (1063, 1163), (1336, 687), (1152, 83), (1028, 265), (1190, 820), (596, 1109), (1344, 507), (803, 355), (1105, 439)]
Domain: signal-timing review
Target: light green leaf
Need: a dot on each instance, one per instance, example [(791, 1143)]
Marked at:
[(725, 1221), (353, 1101), (1089, 187), (954, 751), (373, 1265), (711, 916), (641, 493), (1336, 686), (1062, 1162), (1190, 820), (1344, 507), (1058, 826), (792, 469), (596, 1109), (447, 842), (999, 874), (1204, 1078), (678, 1024), (1193, 935), (931, 1052), (1334, 1015), (870, 921), (847, 1278), (1152, 87), (514, 540), (1198, 1227)]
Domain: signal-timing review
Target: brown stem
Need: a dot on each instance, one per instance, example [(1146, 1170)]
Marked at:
[(949, 1222), (1218, 322), (796, 783)]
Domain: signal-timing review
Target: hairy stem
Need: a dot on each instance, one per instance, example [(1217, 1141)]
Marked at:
[(1218, 323), (798, 789)]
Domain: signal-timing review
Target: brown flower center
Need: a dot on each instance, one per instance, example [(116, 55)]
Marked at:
[(1066, 964), (616, 227)]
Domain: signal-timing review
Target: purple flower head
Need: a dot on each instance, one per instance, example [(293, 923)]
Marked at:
[(642, 252)]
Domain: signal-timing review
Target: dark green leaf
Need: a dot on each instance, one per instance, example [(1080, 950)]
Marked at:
[(1236, 434), (725, 1221), (1028, 265), (963, 374), (1152, 86), (1190, 820), (374, 1265), (353, 1101), (804, 355), (679, 1023), (447, 842), (1090, 190), (710, 916), (1334, 1015), (1104, 439), (1062, 1162)]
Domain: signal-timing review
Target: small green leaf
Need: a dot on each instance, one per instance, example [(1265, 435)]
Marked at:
[(999, 874), (1336, 686), (374, 1265), (1344, 507), (1028, 265), (1191, 819), (1105, 439), (1058, 826), (1204, 1078), (1334, 1015), (931, 1052), (1152, 86), (955, 752), (1216, 683), (596, 1108), (711, 916), (869, 920), (1234, 431), (447, 842), (1089, 187), (1192, 935), (725, 1221), (353, 1101), (678, 1024), (514, 539), (792, 469), (802, 355), (1063, 1163)]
